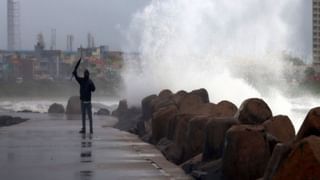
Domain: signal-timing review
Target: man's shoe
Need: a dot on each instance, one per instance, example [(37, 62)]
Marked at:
[(82, 131)]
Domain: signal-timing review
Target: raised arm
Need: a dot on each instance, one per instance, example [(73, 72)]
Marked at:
[(75, 73)]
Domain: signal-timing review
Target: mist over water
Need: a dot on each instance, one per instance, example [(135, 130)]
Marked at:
[(234, 49)]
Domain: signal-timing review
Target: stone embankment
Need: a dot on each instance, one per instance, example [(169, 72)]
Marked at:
[(221, 141)]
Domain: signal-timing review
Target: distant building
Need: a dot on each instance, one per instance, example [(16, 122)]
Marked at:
[(49, 61), (97, 52), (27, 72), (316, 32)]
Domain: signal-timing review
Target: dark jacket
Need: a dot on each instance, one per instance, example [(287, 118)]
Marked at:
[(86, 87)]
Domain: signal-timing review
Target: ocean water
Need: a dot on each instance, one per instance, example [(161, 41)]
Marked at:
[(42, 106)]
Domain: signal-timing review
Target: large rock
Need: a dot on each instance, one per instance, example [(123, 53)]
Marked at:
[(280, 127), (215, 132), (208, 109), (195, 136), (127, 120), (303, 162), (56, 108), (246, 153), (279, 154), (192, 164), (189, 103), (202, 93), (160, 122), (122, 108), (225, 109), (103, 112), (178, 97), (179, 127), (160, 102), (8, 120), (170, 150), (311, 124), (146, 107), (253, 111), (74, 105), (182, 127), (165, 93)]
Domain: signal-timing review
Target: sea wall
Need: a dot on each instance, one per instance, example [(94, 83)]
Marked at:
[(218, 140)]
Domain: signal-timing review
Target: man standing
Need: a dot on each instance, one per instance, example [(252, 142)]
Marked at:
[(86, 87)]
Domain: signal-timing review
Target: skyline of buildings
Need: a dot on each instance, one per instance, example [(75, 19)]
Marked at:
[(316, 32)]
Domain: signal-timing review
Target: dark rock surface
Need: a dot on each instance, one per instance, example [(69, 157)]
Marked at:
[(253, 111), (303, 162), (246, 154), (74, 105), (220, 141), (280, 127), (8, 120), (56, 108), (215, 133), (103, 112), (311, 124)]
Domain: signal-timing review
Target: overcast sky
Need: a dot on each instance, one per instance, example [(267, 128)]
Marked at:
[(105, 19)]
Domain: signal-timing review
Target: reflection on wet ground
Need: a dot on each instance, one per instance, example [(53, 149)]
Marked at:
[(86, 155), (86, 150), (86, 175), (50, 148)]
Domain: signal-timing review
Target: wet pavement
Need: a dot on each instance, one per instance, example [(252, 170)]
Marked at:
[(49, 148)]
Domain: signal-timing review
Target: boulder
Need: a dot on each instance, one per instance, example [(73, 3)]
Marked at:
[(212, 169), (172, 128), (171, 151), (202, 93), (303, 162), (8, 120), (182, 124), (215, 132), (311, 124), (160, 122), (196, 107), (279, 154), (146, 107), (56, 108), (189, 103), (160, 102), (74, 105), (246, 153), (122, 108), (195, 136), (165, 93), (280, 127), (253, 111), (225, 109), (27, 111), (192, 164), (178, 97), (103, 112), (127, 120)]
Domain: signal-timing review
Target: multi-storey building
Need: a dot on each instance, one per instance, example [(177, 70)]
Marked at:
[(316, 31)]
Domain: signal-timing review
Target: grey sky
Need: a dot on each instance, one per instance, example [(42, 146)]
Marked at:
[(105, 19)]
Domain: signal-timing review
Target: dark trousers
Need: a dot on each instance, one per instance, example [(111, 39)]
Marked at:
[(86, 108)]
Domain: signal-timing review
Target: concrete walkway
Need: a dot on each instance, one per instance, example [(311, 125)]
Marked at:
[(49, 148)]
